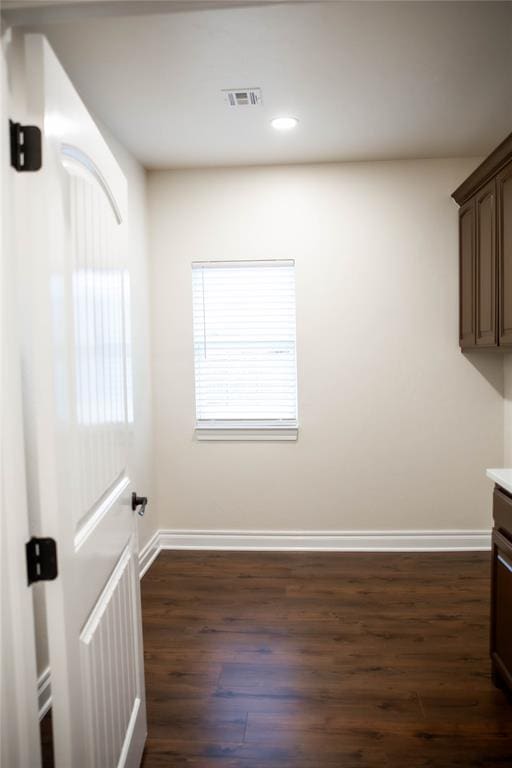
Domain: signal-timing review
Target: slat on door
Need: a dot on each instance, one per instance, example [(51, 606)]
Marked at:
[(109, 649), (101, 342)]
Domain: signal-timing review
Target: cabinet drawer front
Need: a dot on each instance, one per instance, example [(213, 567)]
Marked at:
[(502, 513)]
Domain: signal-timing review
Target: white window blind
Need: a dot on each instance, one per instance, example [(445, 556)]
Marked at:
[(244, 344)]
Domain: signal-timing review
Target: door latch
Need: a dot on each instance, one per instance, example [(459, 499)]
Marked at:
[(41, 559), (139, 501)]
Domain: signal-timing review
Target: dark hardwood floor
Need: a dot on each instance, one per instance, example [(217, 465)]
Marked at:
[(299, 660), (273, 660)]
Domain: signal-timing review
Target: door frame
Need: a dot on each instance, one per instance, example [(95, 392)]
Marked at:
[(20, 739)]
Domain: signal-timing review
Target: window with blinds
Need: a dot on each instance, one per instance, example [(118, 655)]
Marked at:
[(244, 344)]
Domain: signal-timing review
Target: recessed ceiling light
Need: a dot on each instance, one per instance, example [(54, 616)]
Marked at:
[(284, 123)]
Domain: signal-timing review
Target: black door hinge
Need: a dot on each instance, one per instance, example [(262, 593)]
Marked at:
[(41, 559), (26, 147)]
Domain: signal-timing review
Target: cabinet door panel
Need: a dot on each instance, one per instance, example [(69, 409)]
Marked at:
[(467, 275), (501, 629), (504, 195), (485, 266)]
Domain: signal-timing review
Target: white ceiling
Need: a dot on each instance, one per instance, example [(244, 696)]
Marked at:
[(367, 80)]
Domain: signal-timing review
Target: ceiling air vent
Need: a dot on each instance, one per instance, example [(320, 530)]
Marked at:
[(243, 97)]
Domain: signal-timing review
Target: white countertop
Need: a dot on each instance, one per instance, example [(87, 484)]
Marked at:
[(502, 477)]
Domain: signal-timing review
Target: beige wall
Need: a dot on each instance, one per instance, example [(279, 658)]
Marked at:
[(397, 427)]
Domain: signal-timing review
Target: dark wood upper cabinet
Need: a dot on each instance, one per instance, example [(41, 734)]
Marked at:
[(504, 195), (485, 252), (467, 275)]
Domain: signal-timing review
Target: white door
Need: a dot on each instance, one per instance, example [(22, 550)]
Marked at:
[(74, 311)]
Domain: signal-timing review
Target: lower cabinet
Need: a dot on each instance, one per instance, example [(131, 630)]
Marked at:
[(501, 605)]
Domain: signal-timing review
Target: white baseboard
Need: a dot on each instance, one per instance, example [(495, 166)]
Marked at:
[(310, 541), (44, 692), (148, 553)]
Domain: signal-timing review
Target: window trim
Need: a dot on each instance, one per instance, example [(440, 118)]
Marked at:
[(242, 431)]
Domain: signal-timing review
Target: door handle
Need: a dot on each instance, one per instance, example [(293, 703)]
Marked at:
[(139, 501)]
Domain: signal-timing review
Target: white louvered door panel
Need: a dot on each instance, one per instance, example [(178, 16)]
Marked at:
[(75, 317)]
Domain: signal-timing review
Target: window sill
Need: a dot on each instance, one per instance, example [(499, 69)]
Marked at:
[(246, 433)]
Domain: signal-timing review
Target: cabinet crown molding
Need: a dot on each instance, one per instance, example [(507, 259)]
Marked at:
[(488, 168)]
